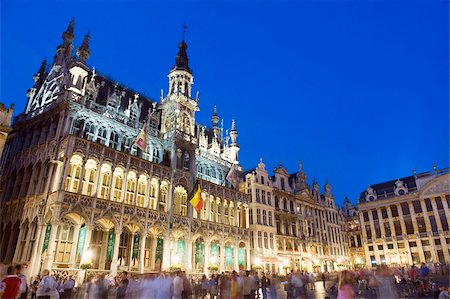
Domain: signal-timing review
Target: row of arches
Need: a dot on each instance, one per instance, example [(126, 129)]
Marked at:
[(114, 138), (106, 245), (115, 183)]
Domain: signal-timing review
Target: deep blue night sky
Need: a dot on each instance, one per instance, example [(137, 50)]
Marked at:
[(357, 89)]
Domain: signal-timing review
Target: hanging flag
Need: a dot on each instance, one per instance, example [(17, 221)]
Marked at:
[(196, 198), (141, 138), (232, 176)]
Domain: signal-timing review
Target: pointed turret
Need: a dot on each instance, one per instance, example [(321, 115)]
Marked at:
[(181, 60), (180, 77), (83, 51), (64, 51), (67, 35), (39, 76), (234, 147), (215, 122)]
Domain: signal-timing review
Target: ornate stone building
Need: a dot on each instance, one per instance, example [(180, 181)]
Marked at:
[(292, 225), (78, 193), (5, 124), (406, 221), (353, 233)]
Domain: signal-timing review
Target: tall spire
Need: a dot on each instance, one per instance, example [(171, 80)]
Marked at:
[(215, 121), (68, 34), (83, 51), (181, 60)]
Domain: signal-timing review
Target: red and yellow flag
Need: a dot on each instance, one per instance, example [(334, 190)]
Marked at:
[(141, 138), (196, 198)]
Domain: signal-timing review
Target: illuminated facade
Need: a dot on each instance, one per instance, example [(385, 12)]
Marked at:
[(406, 221), (5, 125), (353, 234), (293, 226), (78, 193)]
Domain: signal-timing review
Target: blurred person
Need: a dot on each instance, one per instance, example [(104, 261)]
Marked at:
[(177, 285), (265, 283), (67, 287), (23, 282), (235, 289), (47, 286), (345, 287), (34, 286), (10, 285), (385, 283), (444, 293), (213, 290), (122, 285)]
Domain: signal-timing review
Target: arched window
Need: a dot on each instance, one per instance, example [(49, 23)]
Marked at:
[(105, 181), (77, 128), (291, 206), (102, 135), (131, 184), (89, 131), (141, 191), (212, 210), (277, 202), (180, 201), (186, 161), (90, 169), (284, 204), (118, 182), (163, 197), (262, 180), (114, 140), (232, 215), (73, 177), (156, 156), (226, 220)]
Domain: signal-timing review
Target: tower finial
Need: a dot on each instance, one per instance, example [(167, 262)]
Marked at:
[(184, 29), (181, 60), (83, 51)]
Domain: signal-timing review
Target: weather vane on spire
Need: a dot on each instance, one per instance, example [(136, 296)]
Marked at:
[(184, 29)]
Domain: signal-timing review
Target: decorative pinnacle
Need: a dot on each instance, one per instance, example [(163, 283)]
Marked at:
[(233, 125), (43, 65), (68, 34), (83, 51), (215, 110)]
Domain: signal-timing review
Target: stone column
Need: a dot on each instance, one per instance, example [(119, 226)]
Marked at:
[(142, 252), (207, 255), (50, 255), (247, 251), (222, 255), (189, 254), (103, 250), (115, 257), (27, 242), (130, 260), (37, 249), (166, 252), (58, 175), (153, 253), (73, 252), (147, 195), (236, 255)]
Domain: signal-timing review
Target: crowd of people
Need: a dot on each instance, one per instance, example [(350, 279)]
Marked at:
[(383, 282), (390, 282)]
